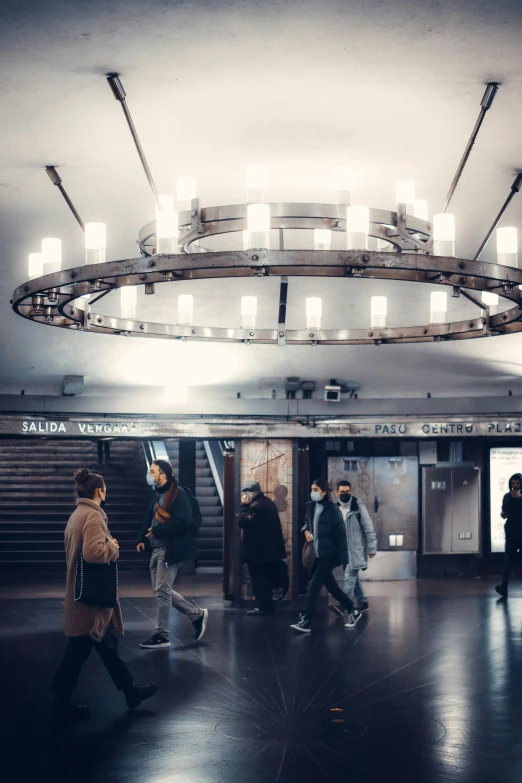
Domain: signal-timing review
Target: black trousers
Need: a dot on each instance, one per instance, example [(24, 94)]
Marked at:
[(322, 574), (513, 544), (263, 576), (76, 653)]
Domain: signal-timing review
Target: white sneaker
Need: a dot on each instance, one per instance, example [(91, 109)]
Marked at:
[(353, 619)]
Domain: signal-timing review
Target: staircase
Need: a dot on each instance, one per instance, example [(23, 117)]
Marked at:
[(209, 542), (37, 498)]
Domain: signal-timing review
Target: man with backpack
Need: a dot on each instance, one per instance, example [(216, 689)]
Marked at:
[(172, 522), (362, 544)]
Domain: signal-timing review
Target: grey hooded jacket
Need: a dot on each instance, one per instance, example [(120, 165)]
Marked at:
[(360, 535)]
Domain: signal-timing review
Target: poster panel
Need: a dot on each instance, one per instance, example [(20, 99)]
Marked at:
[(503, 462)]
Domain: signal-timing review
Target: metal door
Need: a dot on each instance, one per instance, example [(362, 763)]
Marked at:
[(436, 510), (451, 510)]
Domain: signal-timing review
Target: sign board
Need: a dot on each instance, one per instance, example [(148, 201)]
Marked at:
[(503, 462)]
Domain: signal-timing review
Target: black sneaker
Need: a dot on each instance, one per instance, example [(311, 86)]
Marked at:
[(353, 619), (64, 711), (502, 590), (155, 642), (303, 625), (363, 607), (200, 625), (337, 610), (135, 694)]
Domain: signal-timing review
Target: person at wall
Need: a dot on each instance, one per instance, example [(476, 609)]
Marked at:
[(168, 529), (90, 627), (104, 450), (324, 527), (512, 513), (262, 545), (362, 544)]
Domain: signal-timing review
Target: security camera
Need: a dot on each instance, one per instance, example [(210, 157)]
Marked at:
[(332, 393)]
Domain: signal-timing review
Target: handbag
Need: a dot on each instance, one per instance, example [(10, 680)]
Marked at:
[(96, 584), (308, 555)]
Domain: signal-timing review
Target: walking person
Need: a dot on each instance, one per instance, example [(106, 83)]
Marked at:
[(512, 513), (325, 527), (362, 544), (262, 544), (169, 531), (90, 627)]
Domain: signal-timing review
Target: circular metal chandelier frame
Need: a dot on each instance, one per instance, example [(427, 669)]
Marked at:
[(51, 299)]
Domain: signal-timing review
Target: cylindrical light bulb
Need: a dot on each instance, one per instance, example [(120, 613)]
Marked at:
[(258, 226), (36, 265), (52, 254), (128, 301), (256, 181), (438, 307), (186, 190), (95, 243), (405, 192), (166, 226), (322, 239), (444, 234), (314, 312), (490, 299), (378, 311), (507, 246), (357, 227), (343, 185), (186, 309), (248, 311)]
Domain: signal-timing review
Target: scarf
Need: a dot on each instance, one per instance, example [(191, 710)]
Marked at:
[(171, 493)]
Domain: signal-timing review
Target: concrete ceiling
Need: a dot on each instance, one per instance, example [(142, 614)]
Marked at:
[(392, 88)]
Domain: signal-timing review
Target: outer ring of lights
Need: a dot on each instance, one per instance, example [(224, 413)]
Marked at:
[(50, 299)]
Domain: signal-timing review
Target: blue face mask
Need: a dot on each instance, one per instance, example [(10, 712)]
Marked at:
[(316, 496), (151, 481)]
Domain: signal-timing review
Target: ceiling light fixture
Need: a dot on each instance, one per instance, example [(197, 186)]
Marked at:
[(409, 249)]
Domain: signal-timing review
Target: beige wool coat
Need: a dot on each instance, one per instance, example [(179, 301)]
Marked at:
[(87, 529)]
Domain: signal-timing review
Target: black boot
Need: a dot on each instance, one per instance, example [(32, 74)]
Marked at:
[(63, 711), (135, 694)]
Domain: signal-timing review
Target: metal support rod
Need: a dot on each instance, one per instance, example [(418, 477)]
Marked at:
[(473, 298), (281, 239), (485, 104), (281, 319), (119, 93), (515, 187), (57, 180)]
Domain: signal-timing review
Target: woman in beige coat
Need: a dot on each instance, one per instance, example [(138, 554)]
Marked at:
[(88, 626)]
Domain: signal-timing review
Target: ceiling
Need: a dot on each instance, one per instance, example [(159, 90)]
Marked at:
[(391, 88)]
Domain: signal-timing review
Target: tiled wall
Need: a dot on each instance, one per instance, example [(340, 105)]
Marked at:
[(270, 463)]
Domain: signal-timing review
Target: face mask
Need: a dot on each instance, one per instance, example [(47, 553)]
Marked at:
[(316, 496), (151, 481), (345, 497), (102, 504), (249, 496)]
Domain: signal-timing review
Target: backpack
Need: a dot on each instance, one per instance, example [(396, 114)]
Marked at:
[(196, 511)]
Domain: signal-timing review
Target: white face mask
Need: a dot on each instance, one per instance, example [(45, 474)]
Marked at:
[(316, 496), (151, 481)]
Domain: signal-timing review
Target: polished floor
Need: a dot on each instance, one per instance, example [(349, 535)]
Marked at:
[(427, 688)]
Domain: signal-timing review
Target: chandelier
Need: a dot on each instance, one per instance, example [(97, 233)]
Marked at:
[(401, 245)]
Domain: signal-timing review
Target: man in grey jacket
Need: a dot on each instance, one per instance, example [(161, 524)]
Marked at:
[(362, 544)]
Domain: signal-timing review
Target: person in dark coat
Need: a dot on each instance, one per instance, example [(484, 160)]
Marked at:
[(169, 532), (512, 513), (324, 526), (262, 545)]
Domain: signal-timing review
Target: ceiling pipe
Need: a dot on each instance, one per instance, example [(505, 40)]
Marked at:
[(120, 95), (57, 180), (515, 187), (485, 105)]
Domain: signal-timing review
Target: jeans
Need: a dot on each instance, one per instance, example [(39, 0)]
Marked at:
[(163, 577), (512, 547), (322, 574), (352, 585), (76, 653), (263, 576)]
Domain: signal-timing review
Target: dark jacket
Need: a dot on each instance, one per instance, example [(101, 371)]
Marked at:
[(331, 531), (512, 511), (175, 531), (262, 540)]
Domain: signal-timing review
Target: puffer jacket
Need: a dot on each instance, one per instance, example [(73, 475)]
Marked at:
[(331, 532)]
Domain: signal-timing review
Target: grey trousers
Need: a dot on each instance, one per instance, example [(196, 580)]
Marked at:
[(352, 585), (163, 577)]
